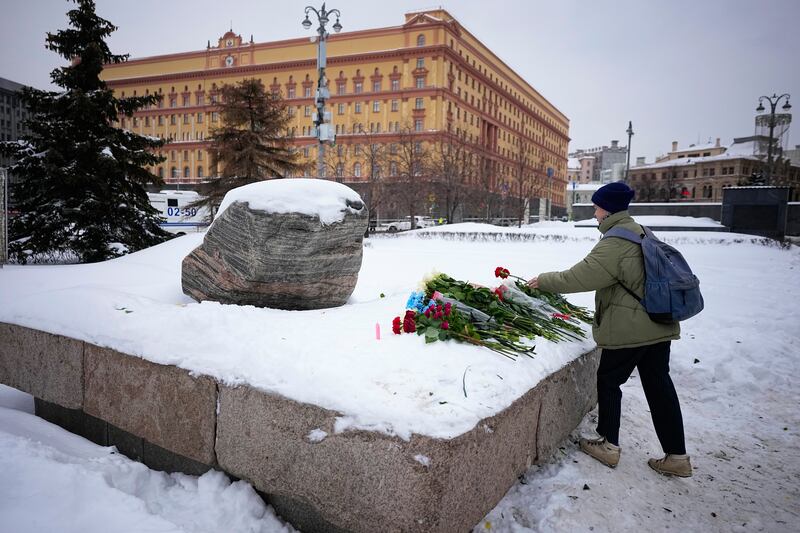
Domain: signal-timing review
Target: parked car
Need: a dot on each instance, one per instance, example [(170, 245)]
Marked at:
[(405, 224)]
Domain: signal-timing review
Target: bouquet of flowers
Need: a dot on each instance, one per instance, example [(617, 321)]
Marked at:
[(506, 320)]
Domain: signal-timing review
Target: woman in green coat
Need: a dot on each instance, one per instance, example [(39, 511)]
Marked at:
[(627, 336)]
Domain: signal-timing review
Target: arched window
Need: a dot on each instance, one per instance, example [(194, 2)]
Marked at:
[(420, 40), (200, 172), (357, 170), (339, 170), (161, 172), (187, 172), (174, 172)]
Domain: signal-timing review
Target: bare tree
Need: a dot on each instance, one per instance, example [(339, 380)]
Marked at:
[(412, 162), (523, 184), (453, 167), (484, 194)]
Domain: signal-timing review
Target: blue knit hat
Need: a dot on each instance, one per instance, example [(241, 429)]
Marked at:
[(613, 197)]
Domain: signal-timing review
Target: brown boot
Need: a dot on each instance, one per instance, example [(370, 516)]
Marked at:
[(672, 465), (602, 450)]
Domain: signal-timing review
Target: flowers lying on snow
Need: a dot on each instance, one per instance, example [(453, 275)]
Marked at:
[(506, 319)]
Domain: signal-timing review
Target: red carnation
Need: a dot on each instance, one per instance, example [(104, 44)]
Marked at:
[(445, 325), (561, 316), (499, 293), (409, 324), (501, 272), (396, 325), (447, 308)]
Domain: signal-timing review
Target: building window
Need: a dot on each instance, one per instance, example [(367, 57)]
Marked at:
[(161, 172), (199, 172), (420, 40), (186, 118), (174, 172), (420, 82), (200, 118), (376, 106), (187, 172), (173, 102), (306, 151), (339, 170), (146, 121), (376, 86), (395, 105), (357, 149), (395, 85), (418, 103), (420, 62), (307, 111), (357, 170), (359, 87), (340, 109), (172, 155), (214, 116), (307, 92), (393, 168), (417, 147), (341, 88), (201, 99), (186, 101), (393, 151), (173, 120), (418, 124), (358, 107), (290, 92)]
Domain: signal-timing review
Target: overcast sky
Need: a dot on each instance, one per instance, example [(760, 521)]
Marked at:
[(684, 70)]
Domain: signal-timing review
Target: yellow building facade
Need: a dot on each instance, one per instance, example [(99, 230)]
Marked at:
[(428, 77)]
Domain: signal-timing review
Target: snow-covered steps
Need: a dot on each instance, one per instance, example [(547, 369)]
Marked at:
[(317, 474)]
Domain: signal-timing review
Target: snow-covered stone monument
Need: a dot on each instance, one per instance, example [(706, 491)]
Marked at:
[(287, 244)]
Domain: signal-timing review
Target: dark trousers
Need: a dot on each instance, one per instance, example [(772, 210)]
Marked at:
[(653, 364)]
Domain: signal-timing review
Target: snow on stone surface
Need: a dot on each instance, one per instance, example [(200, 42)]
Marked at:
[(314, 197), (735, 371), (316, 435)]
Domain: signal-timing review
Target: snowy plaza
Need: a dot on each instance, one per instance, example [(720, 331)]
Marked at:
[(733, 369)]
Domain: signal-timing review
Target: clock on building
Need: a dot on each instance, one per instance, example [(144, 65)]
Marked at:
[(229, 61), (229, 43)]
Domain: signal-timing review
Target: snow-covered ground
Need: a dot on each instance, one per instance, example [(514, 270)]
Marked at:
[(734, 369)]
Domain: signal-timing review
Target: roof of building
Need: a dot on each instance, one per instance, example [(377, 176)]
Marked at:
[(734, 151), (573, 163), (695, 147), (584, 187), (9, 85)]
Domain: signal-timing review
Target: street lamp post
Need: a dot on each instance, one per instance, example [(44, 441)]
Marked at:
[(550, 173), (773, 103), (322, 118), (629, 131)]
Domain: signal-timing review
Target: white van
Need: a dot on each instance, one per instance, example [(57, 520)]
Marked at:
[(177, 216)]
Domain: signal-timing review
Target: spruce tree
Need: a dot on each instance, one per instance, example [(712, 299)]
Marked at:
[(81, 190), (253, 143)]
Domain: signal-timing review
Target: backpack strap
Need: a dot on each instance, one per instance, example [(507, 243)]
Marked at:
[(631, 236)]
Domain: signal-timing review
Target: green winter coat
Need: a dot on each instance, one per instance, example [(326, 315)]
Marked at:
[(620, 321)]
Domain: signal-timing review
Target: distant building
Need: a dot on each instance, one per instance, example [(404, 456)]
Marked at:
[(12, 112), (603, 158), (579, 193), (793, 155), (573, 170), (13, 115), (692, 151), (683, 175)]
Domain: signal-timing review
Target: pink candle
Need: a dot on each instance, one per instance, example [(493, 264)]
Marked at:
[(377, 331)]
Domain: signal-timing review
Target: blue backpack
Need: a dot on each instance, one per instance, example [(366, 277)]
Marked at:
[(671, 290)]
